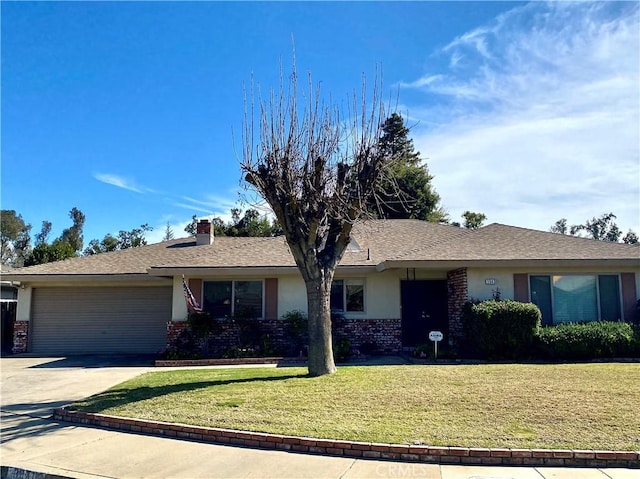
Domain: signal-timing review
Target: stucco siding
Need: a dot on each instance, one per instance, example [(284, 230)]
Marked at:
[(179, 305), (382, 295), (478, 289), (292, 295)]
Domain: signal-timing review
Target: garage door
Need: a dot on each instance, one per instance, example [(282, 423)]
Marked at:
[(99, 320)]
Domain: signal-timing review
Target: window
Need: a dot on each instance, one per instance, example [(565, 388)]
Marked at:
[(233, 298), (347, 295), (576, 298)]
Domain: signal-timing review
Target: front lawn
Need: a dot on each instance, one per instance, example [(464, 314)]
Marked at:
[(573, 406)]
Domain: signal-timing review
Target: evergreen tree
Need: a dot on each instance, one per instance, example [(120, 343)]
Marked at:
[(168, 233), (407, 191)]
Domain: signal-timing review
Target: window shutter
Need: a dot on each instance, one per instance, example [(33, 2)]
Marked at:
[(271, 298), (628, 281), (521, 287)]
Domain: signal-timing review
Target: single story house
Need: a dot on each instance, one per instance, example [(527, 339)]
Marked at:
[(398, 280)]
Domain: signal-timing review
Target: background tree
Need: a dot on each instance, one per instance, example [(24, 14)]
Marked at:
[(407, 191), (603, 228), (47, 253), (125, 240), (134, 238), (168, 233), (107, 244), (318, 171), (14, 238), (192, 228), (472, 220), (560, 227), (43, 235), (66, 246), (252, 223), (630, 238), (73, 235)]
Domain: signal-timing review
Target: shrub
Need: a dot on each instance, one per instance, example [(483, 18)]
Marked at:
[(341, 348), (296, 332), (185, 347), (598, 339), (369, 347), (201, 325), (500, 329)]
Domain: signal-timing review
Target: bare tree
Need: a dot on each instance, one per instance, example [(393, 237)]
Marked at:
[(317, 168)]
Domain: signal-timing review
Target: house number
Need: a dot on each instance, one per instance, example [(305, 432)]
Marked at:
[(490, 281)]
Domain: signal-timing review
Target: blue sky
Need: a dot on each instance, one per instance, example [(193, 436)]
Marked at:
[(528, 112)]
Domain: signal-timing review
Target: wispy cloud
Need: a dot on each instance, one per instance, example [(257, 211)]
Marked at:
[(211, 205), (537, 116), (119, 181)]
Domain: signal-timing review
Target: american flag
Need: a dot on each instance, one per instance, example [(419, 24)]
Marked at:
[(192, 304)]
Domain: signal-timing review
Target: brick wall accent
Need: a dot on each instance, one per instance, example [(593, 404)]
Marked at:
[(174, 328), (336, 447), (385, 334), (458, 293), (20, 336)]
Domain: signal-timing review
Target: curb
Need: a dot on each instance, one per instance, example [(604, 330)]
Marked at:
[(364, 450), (11, 472)]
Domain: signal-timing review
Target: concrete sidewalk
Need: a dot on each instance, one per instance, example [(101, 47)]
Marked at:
[(31, 441), (60, 449)]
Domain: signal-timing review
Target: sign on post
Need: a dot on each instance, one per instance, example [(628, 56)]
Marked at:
[(436, 337)]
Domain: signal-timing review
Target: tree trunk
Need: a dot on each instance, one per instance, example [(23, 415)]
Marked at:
[(320, 341)]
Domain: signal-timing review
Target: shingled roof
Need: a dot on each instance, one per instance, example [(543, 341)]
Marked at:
[(498, 242), (380, 244)]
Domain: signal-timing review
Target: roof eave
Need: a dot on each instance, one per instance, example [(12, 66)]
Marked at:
[(80, 278), (238, 271), (521, 263)]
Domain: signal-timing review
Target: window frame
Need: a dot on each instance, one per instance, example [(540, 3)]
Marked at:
[(620, 301), (344, 309), (233, 294)]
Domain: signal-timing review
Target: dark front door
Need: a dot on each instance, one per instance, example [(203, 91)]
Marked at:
[(6, 331), (424, 309)]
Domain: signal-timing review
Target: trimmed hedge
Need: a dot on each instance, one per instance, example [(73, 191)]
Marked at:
[(500, 329), (598, 339)]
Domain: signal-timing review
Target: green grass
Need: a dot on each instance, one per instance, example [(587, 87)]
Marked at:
[(577, 406)]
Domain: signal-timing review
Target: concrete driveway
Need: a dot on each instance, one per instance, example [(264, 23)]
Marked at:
[(31, 441), (35, 386)]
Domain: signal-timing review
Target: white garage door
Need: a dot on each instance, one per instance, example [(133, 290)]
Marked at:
[(99, 320)]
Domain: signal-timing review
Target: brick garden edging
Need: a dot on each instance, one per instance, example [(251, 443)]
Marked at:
[(366, 450), (228, 362)]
